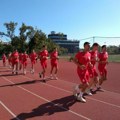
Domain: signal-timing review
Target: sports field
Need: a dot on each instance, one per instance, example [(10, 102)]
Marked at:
[(28, 98)]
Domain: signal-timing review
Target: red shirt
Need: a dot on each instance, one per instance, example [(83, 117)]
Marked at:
[(15, 56), (43, 55), (20, 56), (4, 57), (83, 58), (25, 56), (94, 57), (54, 56), (9, 56), (103, 56), (33, 56)]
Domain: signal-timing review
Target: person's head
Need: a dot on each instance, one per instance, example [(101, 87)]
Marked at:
[(33, 50), (104, 48), (86, 46), (55, 49), (95, 46), (16, 50), (44, 47), (25, 52)]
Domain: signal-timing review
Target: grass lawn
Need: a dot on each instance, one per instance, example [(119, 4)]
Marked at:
[(112, 58)]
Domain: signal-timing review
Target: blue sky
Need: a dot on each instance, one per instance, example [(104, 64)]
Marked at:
[(76, 18)]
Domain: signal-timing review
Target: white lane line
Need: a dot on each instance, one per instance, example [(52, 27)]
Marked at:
[(9, 110), (72, 92), (107, 103), (73, 83), (77, 114)]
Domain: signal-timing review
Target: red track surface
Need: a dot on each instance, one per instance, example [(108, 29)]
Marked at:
[(28, 98)]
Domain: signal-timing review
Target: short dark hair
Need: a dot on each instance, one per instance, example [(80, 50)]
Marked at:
[(95, 44), (104, 46), (44, 46), (86, 43), (54, 47)]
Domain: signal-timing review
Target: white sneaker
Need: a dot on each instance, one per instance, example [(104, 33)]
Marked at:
[(75, 91), (51, 76), (88, 92), (81, 99), (31, 71), (24, 72), (56, 78)]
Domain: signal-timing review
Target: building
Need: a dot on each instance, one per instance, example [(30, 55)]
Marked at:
[(62, 41)]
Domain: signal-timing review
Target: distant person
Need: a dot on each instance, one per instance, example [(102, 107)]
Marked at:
[(4, 58), (24, 62), (15, 61), (103, 61), (33, 58), (54, 63), (20, 60), (43, 55), (94, 79), (82, 60), (10, 60)]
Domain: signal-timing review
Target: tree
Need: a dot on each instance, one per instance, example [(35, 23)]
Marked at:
[(11, 26), (39, 38)]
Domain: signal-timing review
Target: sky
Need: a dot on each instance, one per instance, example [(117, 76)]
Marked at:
[(76, 18)]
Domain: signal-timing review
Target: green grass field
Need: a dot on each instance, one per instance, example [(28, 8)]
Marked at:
[(112, 58)]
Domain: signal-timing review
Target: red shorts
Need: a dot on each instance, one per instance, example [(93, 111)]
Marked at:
[(9, 60), (44, 65), (93, 72), (24, 63), (83, 75), (14, 62), (4, 61), (33, 62), (102, 71), (20, 61), (54, 64)]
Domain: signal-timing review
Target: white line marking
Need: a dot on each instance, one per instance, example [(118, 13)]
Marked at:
[(9, 110), (77, 83), (47, 100), (72, 92)]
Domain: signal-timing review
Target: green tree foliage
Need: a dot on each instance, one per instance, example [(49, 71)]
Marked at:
[(29, 38), (113, 49), (10, 29), (37, 40)]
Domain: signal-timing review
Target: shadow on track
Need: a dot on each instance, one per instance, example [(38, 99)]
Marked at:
[(26, 83), (50, 108)]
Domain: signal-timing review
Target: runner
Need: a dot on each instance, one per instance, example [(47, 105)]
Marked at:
[(82, 60), (10, 60), (20, 60), (54, 63), (33, 58), (43, 55), (15, 61), (4, 58), (94, 79), (103, 61), (24, 60)]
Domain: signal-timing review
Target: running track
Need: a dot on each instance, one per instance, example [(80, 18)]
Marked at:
[(28, 98)]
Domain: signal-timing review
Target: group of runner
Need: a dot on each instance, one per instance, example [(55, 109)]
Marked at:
[(17, 61), (85, 60), (86, 68)]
